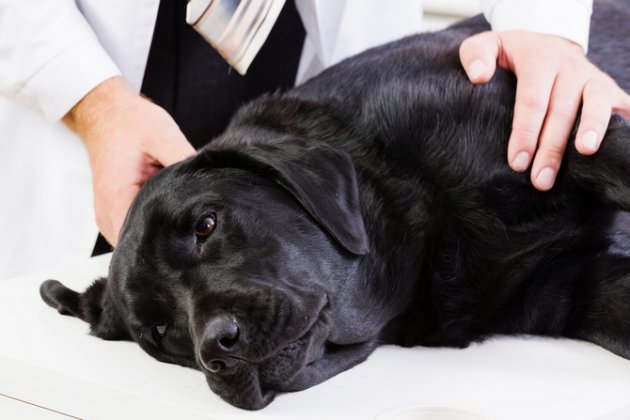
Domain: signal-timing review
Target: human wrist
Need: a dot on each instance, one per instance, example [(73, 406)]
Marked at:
[(87, 116)]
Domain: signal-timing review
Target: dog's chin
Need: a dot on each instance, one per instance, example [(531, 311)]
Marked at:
[(253, 386)]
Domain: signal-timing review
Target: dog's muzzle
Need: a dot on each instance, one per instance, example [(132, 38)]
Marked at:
[(220, 349)]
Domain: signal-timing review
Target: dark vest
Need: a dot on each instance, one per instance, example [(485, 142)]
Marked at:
[(189, 79)]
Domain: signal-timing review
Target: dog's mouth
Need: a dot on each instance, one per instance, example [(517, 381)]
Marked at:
[(279, 370), (253, 384)]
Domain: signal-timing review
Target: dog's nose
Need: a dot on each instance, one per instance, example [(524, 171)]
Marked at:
[(220, 350)]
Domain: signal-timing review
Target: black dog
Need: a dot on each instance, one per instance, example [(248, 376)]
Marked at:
[(371, 205)]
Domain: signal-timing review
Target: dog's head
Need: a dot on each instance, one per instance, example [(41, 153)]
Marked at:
[(240, 262)]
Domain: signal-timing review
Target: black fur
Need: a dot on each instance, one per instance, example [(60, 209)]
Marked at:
[(371, 205)]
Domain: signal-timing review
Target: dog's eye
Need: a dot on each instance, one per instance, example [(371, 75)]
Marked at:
[(158, 332), (205, 227)]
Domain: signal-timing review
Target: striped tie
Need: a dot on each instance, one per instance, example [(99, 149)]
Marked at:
[(237, 29)]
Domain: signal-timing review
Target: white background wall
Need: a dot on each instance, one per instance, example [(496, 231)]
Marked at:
[(440, 13)]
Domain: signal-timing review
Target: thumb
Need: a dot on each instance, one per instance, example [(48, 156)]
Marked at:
[(172, 147), (177, 148), (478, 55)]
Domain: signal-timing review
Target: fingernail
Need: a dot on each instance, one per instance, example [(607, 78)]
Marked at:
[(590, 140), (476, 69), (521, 162), (545, 178)]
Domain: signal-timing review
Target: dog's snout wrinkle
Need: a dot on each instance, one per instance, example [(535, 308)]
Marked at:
[(220, 348)]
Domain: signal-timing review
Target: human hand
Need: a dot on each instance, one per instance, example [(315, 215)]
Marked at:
[(128, 139), (553, 78)]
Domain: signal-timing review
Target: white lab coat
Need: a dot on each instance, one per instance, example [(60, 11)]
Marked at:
[(53, 52)]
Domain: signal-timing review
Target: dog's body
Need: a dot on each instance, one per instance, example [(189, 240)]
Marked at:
[(371, 205)]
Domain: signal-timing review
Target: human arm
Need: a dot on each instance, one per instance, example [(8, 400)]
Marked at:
[(128, 140), (53, 58), (553, 78)]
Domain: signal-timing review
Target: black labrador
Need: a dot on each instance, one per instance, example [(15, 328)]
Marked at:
[(371, 205)]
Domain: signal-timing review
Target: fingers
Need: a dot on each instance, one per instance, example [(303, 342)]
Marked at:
[(118, 213), (533, 92), (559, 120), (568, 91), (553, 78), (596, 112), (110, 215), (479, 54), (115, 191)]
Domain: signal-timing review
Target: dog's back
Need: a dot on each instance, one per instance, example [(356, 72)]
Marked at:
[(488, 252)]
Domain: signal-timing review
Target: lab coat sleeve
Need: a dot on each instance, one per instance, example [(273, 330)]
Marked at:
[(566, 18), (51, 57)]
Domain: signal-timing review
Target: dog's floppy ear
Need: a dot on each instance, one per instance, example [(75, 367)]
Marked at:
[(321, 178), (92, 306)]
